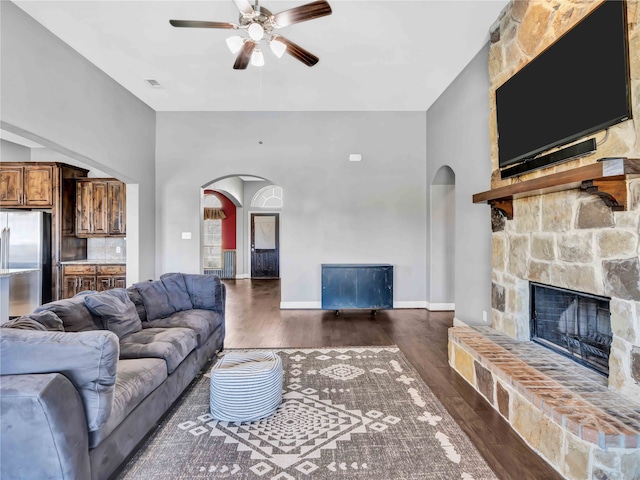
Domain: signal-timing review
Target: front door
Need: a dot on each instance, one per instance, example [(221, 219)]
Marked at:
[(265, 262)]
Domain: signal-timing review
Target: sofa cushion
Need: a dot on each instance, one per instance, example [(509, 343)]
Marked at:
[(202, 322), (75, 316), (137, 378), (88, 359), (177, 290), (171, 344), (43, 321), (205, 291), (136, 298), (117, 313), (156, 299)]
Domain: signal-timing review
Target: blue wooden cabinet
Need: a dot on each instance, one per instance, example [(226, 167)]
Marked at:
[(357, 286)]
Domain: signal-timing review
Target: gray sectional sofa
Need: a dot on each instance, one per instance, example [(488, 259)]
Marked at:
[(84, 380)]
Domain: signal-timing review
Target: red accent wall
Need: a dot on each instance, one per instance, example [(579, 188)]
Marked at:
[(229, 223)]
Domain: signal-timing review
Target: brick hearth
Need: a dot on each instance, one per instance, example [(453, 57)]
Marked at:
[(563, 410)]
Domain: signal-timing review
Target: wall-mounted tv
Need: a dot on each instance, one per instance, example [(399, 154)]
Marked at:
[(577, 86)]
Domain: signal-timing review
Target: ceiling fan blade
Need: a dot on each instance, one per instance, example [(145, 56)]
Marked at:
[(201, 24), (303, 13), (244, 56), (244, 6), (298, 52)]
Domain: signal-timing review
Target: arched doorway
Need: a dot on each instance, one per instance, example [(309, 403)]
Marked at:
[(442, 245), (256, 205)]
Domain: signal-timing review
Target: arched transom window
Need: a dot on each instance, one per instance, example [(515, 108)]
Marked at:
[(268, 197)]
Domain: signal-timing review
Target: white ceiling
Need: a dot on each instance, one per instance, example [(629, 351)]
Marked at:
[(374, 55)]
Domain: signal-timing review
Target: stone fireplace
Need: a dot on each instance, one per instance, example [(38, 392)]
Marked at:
[(584, 424), (573, 241), (568, 239)]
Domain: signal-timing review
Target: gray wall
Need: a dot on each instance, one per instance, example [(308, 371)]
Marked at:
[(458, 136), (12, 152), (334, 210), (54, 96)]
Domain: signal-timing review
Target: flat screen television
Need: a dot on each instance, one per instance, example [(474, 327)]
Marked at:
[(577, 86)]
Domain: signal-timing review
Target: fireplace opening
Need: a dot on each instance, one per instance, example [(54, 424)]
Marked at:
[(575, 324)]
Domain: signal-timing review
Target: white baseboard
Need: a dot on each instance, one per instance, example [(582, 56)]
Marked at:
[(240, 276), (418, 304), (318, 305), (440, 307), (300, 305)]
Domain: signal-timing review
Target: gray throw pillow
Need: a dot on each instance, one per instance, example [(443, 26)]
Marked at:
[(75, 316), (136, 298), (156, 299), (117, 312), (205, 291), (45, 321), (177, 290)]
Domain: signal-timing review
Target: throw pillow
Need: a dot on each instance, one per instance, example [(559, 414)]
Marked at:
[(117, 312), (156, 299), (45, 321), (205, 291), (75, 316), (136, 298), (177, 290)]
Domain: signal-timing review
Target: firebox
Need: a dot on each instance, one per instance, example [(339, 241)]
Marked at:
[(575, 324)]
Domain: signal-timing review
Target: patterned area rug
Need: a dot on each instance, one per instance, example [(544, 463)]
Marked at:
[(347, 413)]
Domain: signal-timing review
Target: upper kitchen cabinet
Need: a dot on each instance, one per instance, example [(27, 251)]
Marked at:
[(26, 185), (100, 208), (116, 214)]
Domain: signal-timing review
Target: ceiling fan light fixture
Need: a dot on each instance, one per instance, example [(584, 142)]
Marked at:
[(255, 31), (278, 48), (235, 43), (257, 58)]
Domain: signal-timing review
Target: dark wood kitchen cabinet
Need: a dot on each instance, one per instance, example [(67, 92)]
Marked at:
[(26, 185), (79, 277), (100, 208), (110, 276), (117, 208)]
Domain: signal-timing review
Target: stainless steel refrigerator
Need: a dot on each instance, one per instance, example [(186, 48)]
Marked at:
[(25, 243)]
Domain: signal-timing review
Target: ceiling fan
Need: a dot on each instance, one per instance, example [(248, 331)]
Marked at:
[(259, 23)]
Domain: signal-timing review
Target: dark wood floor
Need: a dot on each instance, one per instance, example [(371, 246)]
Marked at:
[(254, 319)]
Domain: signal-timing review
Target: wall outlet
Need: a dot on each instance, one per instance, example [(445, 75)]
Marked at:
[(186, 235), (484, 316), (118, 250)]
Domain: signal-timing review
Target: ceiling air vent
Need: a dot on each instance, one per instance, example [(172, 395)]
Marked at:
[(153, 83)]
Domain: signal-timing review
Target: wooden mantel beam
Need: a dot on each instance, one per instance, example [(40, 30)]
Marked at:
[(606, 179)]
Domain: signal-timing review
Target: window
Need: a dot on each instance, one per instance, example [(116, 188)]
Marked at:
[(212, 239), (212, 244), (268, 197)]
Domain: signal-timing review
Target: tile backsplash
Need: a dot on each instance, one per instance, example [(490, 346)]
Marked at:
[(107, 248)]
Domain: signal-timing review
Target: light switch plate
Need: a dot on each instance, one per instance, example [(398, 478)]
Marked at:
[(186, 235)]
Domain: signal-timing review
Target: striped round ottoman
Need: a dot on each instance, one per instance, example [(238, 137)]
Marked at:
[(245, 386)]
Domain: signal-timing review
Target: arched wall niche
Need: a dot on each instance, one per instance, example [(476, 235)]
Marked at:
[(442, 245)]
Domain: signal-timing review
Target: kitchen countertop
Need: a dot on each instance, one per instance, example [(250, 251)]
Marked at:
[(8, 272), (94, 262)]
